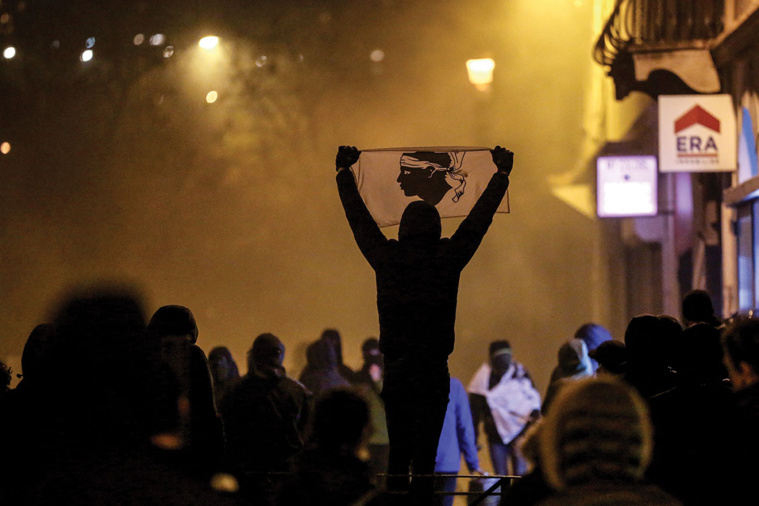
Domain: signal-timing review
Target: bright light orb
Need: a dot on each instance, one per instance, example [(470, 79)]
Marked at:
[(139, 39), (86, 55), (168, 51), (208, 42), (158, 39), (5, 148), (211, 97), (377, 55), (9, 52), (89, 43), (480, 72)]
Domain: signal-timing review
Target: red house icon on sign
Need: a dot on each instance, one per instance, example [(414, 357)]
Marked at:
[(696, 116)]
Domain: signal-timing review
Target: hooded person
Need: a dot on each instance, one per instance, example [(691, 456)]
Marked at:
[(321, 372), (368, 381), (417, 279), (650, 342), (504, 400), (574, 363), (224, 371), (175, 329), (592, 335), (265, 418), (332, 336)]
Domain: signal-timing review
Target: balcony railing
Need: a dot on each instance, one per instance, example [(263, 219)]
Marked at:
[(663, 46), (658, 25)]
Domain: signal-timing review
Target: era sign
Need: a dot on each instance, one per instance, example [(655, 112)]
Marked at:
[(697, 133)]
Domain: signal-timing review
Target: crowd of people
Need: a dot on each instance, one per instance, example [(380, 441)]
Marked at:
[(117, 408), (112, 404)]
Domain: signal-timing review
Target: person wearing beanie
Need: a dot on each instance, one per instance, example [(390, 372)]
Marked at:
[(417, 280), (504, 400), (595, 445), (265, 419)]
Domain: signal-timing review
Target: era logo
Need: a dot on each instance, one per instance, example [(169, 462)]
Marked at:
[(696, 145)]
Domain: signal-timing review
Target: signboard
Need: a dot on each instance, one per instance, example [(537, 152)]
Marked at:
[(697, 133), (626, 186)]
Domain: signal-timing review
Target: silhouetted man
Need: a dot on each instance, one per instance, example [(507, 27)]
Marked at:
[(417, 287)]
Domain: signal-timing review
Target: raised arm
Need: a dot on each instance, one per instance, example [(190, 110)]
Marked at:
[(469, 235), (369, 237)]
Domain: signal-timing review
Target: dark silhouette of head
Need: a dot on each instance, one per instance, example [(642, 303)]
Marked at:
[(5, 378), (500, 356), (698, 308), (332, 336), (370, 351), (99, 337), (34, 359), (174, 320), (701, 353), (420, 222), (223, 366), (340, 421), (429, 176), (321, 354), (741, 343), (266, 356)]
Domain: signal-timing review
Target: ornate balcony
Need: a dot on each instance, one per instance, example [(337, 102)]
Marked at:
[(663, 46)]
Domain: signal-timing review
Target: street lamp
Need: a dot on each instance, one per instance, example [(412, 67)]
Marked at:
[(480, 72), (208, 42)]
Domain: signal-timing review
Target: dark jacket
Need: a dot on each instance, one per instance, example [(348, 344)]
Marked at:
[(321, 371), (418, 274), (264, 421)]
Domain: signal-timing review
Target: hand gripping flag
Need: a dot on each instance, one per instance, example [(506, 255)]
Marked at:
[(450, 178)]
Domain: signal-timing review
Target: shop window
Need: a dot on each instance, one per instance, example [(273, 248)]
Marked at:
[(747, 157), (745, 227)]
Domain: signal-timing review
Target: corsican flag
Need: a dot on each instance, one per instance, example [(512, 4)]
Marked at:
[(450, 178)]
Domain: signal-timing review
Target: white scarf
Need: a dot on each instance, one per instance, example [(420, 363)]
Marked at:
[(511, 401)]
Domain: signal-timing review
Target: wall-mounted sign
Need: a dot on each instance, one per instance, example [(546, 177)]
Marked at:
[(626, 186), (697, 133)]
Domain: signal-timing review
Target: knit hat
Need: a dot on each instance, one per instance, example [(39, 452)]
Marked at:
[(498, 347), (598, 429)]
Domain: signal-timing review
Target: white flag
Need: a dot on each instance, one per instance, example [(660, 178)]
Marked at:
[(450, 178)]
